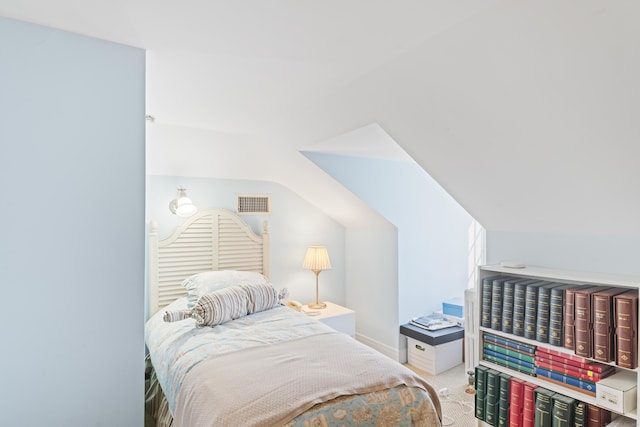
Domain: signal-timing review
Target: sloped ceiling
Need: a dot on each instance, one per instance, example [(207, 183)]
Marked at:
[(527, 112)]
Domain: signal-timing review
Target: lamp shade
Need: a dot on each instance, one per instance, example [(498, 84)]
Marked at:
[(182, 205), (316, 259)]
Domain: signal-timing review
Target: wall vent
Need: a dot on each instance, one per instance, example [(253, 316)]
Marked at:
[(254, 204)]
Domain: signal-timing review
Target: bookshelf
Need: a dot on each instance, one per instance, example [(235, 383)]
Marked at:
[(474, 331)]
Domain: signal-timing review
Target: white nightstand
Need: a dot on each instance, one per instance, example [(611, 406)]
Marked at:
[(337, 317)]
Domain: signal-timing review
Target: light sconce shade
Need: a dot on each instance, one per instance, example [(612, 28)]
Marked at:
[(316, 260), (182, 205)]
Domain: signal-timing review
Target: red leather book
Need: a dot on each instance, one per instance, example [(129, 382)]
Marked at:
[(583, 320), (529, 408), (516, 402), (571, 359), (625, 319), (603, 333), (566, 369)]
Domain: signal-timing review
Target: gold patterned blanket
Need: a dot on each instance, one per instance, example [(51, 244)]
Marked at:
[(271, 385)]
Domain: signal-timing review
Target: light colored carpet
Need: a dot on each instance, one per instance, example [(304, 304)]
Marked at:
[(457, 405)]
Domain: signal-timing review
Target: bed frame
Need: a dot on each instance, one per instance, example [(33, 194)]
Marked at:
[(212, 239)]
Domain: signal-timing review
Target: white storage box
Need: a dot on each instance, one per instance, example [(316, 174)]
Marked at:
[(434, 359), (618, 392), (433, 351)]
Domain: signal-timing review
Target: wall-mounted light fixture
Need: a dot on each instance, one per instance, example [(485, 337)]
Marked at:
[(182, 205)]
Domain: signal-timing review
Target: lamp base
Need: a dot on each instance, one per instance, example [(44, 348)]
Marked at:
[(317, 305)]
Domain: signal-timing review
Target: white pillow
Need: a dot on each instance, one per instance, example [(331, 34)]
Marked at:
[(209, 281)]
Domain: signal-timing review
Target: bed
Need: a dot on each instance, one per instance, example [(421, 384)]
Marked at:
[(225, 351)]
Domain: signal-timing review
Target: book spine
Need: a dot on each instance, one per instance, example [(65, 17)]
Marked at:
[(507, 306), (597, 416), (519, 296), (542, 315), (487, 291), (506, 351), (556, 309), (572, 359), (626, 336), (589, 386), (602, 333), (530, 311), (481, 391), (567, 386), (496, 305), (569, 296), (506, 342), (503, 400), (508, 364), (491, 400), (569, 370), (516, 402), (510, 359), (579, 412), (543, 399), (583, 334), (562, 411), (529, 405)]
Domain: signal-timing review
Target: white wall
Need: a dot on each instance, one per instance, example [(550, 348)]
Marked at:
[(294, 224), (618, 255), (72, 251), (432, 237), (372, 291)]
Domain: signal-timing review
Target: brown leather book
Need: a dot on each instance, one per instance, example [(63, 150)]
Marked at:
[(597, 417), (625, 319), (569, 319), (603, 333), (583, 320)]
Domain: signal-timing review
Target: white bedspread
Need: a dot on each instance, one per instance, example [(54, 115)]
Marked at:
[(183, 346), (271, 385)]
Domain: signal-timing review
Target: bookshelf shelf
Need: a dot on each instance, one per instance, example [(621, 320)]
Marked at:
[(479, 327), (557, 348)]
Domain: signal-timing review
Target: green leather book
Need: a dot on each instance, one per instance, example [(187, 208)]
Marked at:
[(486, 295), (509, 352), (496, 303), (481, 380), (542, 317), (508, 288), (556, 314), (510, 364), (491, 400), (503, 399), (579, 414), (562, 412), (480, 407), (544, 404), (531, 309), (519, 298)]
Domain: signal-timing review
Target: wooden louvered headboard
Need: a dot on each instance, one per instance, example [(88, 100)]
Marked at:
[(212, 239)]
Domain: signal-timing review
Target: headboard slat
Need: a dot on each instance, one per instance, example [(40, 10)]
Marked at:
[(212, 239)]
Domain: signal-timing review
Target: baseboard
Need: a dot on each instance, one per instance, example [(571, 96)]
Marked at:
[(385, 349)]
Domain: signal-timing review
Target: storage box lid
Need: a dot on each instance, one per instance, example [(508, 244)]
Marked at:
[(440, 336)]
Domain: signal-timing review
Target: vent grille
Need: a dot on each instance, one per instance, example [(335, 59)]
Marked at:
[(254, 205)]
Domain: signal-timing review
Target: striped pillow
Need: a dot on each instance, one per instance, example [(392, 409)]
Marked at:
[(175, 316), (261, 296), (209, 281), (220, 306)]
